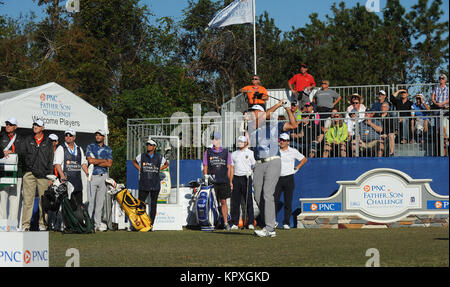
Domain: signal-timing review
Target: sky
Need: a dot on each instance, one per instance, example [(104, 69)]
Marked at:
[(286, 13)]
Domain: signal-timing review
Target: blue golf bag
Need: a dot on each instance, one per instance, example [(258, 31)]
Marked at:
[(207, 212)]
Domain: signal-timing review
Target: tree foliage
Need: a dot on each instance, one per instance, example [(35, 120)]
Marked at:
[(130, 63)]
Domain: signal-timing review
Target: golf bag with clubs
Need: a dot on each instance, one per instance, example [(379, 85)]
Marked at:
[(133, 207), (204, 205), (75, 217)]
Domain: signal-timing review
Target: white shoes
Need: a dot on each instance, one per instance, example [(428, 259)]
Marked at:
[(251, 227), (234, 227), (286, 227), (265, 233)]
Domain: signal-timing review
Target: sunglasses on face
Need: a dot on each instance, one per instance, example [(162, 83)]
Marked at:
[(282, 140), (255, 79), (68, 135), (355, 103)]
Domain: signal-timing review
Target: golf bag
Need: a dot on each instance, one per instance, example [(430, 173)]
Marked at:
[(75, 216), (133, 207), (51, 203), (204, 206)]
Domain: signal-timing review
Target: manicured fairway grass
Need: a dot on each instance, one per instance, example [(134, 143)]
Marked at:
[(402, 247)]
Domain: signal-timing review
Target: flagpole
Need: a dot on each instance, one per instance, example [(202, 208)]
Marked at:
[(254, 35)]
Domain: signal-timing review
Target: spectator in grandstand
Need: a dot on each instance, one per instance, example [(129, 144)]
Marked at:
[(37, 153), (264, 140), (351, 123), (149, 165), (326, 100), (301, 84), (336, 136), (217, 162), (10, 144), (419, 121), (295, 111), (256, 94), (356, 103), (369, 136), (388, 122), (381, 99), (101, 157), (242, 164), (286, 184), (69, 162), (439, 97), (403, 106)]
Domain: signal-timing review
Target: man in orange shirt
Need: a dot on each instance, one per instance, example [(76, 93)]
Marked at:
[(301, 84), (257, 94)]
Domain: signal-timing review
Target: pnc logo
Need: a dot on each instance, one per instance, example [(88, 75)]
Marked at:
[(438, 204), (27, 256), (313, 207), (366, 188), (43, 97)]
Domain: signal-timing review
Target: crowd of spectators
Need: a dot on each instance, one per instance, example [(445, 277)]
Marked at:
[(326, 130)]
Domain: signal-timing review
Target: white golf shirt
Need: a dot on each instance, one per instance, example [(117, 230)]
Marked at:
[(288, 158), (242, 161)]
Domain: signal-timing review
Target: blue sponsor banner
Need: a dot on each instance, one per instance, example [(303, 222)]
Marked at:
[(437, 204), (322, 206)]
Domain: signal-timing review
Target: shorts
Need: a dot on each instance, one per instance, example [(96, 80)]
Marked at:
[(223, 190)]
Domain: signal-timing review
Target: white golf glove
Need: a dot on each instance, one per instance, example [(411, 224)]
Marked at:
[(286, 104)]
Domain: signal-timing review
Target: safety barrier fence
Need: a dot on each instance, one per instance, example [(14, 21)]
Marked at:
[(317, 135)]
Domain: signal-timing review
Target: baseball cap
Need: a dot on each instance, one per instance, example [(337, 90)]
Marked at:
[(382, 92), (284, 136), (101, 132), (71, 132), (150, 141), (38, 122), (242, 139), (53, 137), (12, 121), (216, 136), (303, 65), (257, 108)]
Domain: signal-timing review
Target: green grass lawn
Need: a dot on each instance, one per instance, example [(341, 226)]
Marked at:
[(400, 247)]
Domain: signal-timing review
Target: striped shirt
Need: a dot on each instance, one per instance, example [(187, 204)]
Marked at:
[(441, 93)]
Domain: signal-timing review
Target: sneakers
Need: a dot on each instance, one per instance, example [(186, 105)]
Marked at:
[(227, 226), (286, 227), (265, 233), (251, 227), (234, 227)]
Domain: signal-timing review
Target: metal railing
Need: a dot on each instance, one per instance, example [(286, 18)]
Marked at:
[(411, 135)]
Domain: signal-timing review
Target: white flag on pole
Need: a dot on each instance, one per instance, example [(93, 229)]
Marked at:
[(238, 12)]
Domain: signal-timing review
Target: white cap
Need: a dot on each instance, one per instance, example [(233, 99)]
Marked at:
[(242, 139), (284, 136), (12, 121), (382, 92), (53, 137), (70, 131), (258, 108), (38, 122), (150, 141), (101, 132)]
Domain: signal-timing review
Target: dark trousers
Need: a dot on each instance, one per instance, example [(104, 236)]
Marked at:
[(142, 196), (241, 188), (285, 185)]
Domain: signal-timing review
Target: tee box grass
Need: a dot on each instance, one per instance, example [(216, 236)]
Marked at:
[(397, 247)]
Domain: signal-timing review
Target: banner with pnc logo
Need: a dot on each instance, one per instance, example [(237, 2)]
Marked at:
[(380, 195)]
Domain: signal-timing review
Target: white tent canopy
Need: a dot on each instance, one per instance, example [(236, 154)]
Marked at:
[(59, 108)]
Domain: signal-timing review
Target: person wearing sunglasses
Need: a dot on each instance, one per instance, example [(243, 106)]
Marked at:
[(10, 143), (336, 136), (149, 165), (37, 153), (70, 162), (256, 94), (439, 97)]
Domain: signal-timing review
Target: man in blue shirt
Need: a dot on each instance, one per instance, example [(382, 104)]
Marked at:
[(100, 156)]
